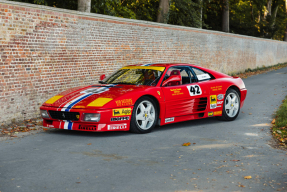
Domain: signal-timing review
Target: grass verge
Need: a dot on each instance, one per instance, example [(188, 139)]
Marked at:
[(279, 129), (259, 70)]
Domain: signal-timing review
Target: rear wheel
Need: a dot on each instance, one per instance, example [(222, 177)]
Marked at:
[(231, 106), (145, 115)]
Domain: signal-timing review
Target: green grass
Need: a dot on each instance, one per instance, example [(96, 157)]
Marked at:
[(259, 70), (279, 129)]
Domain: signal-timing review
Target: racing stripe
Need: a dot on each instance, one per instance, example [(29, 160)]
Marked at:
[(86, 94), (70, 125), (66, 124)]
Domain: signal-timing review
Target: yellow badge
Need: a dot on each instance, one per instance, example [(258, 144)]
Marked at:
[(158, 92), (210, 114), (122, 112), (213, 99), (77, 116)]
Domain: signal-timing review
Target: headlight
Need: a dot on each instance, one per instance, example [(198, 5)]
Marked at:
[(44, 114), (95, 117)]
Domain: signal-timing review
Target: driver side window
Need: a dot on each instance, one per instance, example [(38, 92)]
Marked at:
[(184, 72)]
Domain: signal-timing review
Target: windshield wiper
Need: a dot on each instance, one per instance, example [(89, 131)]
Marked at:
[(125, 83)]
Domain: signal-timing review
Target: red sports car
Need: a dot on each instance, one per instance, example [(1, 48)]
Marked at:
[(138, 97)]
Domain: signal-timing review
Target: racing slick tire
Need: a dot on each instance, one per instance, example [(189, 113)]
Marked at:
[(144, 116), (231, 105)]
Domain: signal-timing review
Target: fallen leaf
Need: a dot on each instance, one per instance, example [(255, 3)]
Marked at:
[(234, 160), (45, 129), (14, 136), (273, 121), (248, 177), (186, 144), (89, 144), (194, 143), (250, 113), (78, 182), (241, 186)]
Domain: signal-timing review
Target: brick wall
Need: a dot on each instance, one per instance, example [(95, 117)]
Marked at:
[(46, 50)]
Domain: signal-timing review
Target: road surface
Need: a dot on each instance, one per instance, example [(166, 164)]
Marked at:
[(220, 155)]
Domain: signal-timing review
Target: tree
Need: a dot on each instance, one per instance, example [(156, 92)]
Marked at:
[(84, 6), (285, 35), (163, 11), (225, 16)]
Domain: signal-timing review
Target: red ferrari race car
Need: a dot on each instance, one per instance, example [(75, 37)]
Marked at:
[(137, 98)]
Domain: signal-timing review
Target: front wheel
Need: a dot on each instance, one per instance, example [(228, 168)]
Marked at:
[(231, 106), (145, 116)]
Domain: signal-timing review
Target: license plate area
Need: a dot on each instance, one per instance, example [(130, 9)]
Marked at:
[(87, 127)]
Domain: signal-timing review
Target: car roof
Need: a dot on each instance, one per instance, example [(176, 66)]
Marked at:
[(163, 64), (214, 73)]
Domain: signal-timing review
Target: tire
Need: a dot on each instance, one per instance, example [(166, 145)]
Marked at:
[(144, 116), (231, 105)]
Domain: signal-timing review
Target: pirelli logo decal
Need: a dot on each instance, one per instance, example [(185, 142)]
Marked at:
[(122, 112)]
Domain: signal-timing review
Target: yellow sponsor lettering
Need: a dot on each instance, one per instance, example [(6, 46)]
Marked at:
[(218, 113), (124, 102)]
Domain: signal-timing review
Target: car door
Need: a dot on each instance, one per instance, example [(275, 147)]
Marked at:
[(185, 99)]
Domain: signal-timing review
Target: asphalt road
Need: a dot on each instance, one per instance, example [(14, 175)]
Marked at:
[(220, 155)]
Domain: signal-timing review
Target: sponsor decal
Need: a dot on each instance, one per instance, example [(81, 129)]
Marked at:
[(216, 88), (194, 90), (124, 102), (122, 112), (158, 92), (117, 126), (213, 106), (120, 118), (51, 126), (176, 91), (210, 114), (218, 113), (220, 97), (168, 120), (213, 101), (203, 77), (219, 102), (87, 128), (77, 116)]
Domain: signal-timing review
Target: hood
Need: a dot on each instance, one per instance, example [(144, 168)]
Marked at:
[(95, 96)]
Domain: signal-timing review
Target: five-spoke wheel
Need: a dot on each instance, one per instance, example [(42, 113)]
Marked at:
[(231, 105), (144, 115)]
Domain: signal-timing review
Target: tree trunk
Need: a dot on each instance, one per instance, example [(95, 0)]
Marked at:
[(84, 5), (285, 36), (163, 10), (268, 8), (225, 16), (201, 5), (251, 7)]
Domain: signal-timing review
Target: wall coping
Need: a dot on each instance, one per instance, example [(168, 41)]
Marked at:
[(133, 21)]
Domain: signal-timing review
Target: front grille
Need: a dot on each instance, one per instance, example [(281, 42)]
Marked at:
[(63, 115)]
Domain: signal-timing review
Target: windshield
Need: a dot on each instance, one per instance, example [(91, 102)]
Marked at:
[(136, 75)]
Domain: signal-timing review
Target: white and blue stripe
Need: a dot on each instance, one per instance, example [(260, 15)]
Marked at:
[(68, 124)]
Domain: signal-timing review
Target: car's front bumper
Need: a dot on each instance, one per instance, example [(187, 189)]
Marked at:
[(108, 122)]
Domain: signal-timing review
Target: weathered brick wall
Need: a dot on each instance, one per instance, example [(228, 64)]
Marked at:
[(46, 50)]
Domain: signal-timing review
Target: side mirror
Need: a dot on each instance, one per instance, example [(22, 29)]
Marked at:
[(102, 77), (172, 80)]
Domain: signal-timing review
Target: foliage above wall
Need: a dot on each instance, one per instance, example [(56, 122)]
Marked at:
[(259, 18)]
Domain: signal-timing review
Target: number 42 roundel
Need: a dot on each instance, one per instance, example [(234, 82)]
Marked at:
[(194, 90)]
